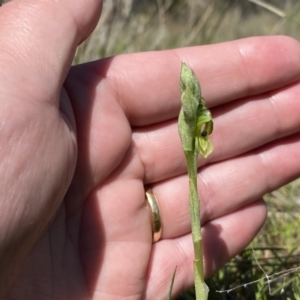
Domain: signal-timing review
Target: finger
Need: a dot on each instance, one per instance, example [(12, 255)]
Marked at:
[(238, 127), (147, 84), (223, 238), (228, 185), (38, 40)]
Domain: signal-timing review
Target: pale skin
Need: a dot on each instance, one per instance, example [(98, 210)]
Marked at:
[(74, 224)]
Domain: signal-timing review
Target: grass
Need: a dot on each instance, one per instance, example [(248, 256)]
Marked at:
[(141, 25), (274, 252)]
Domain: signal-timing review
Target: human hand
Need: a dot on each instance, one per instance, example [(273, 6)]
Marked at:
[(74, 220)]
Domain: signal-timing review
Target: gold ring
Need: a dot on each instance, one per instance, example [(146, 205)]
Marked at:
[(155, 215)]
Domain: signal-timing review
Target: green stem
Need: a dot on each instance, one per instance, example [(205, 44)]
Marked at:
[(195, 125), (194, 203)]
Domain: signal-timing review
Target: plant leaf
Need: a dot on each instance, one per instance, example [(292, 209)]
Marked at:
[(171, 286)]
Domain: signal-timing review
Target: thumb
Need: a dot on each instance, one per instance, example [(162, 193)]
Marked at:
[(38, 150), (38, 40)]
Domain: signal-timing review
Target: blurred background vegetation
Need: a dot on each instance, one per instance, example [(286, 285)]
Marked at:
[(143, 25)]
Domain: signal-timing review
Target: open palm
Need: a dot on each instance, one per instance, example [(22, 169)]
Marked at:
[(77, 155)]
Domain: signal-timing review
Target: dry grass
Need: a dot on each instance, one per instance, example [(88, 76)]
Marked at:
[(141, 25)]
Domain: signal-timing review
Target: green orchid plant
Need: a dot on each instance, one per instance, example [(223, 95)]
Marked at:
[(195, 124)]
